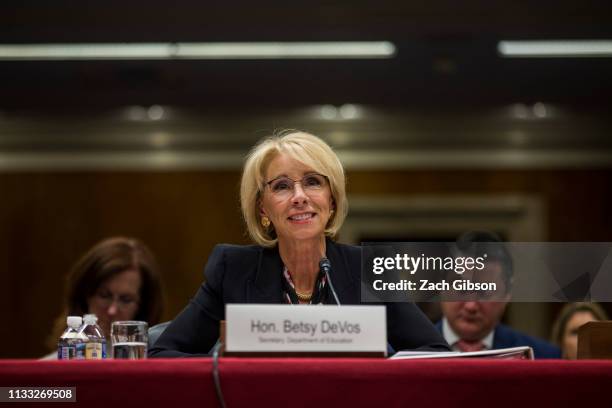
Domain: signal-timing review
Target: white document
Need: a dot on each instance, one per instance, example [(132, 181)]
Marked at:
[(519, 353)]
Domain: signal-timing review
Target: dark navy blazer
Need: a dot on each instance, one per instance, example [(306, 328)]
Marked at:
[(252, 274)]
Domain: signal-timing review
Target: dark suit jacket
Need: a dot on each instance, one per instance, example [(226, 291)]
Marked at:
[(252, 274), (505, 337)]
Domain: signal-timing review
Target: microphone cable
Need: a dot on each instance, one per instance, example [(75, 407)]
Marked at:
[(216, 377), (325, 266)]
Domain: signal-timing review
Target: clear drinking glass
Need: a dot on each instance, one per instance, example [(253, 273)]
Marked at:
[(129, 339)]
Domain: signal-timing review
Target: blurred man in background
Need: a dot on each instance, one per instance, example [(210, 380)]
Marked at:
[(474, 324)]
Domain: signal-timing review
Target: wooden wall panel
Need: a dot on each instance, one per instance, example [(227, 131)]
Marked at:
[(48, 219)]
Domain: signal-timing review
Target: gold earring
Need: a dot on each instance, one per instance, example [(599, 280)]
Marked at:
[(265, 221)]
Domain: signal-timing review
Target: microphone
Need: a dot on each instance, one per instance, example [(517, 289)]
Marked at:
[(325, 266)]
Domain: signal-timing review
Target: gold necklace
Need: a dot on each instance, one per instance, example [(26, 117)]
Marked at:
[(304, 296)]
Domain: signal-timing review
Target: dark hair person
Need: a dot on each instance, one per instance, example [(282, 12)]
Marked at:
[(117, 279), (474, 324), (293, 201), (571, 317)]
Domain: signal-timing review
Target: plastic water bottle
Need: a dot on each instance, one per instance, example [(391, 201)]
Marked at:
[(94, 345), (67, 344)]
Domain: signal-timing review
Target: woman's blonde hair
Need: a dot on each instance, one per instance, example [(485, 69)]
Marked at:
[(307, 149)]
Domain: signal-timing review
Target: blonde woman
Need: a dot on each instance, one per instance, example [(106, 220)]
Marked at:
[(293, 201)]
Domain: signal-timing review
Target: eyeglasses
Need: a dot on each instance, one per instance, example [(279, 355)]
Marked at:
[(284, 187), (106, 298)]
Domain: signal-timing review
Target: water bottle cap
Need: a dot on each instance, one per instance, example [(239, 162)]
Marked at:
[(74, 321), (90, 319)]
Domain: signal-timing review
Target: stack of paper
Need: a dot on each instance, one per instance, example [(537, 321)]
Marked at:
[(514, 353)]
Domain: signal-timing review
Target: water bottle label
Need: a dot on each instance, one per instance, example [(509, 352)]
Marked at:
[(66, 353), (93, 351), (80, 351)]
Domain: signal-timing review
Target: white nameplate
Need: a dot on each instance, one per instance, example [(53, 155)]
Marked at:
[(302, 328)]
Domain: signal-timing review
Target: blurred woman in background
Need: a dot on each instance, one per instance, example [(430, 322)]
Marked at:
[(117, 279), (571, 317)]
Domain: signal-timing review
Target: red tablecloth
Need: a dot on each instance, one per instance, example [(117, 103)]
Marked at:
[(291, 382)]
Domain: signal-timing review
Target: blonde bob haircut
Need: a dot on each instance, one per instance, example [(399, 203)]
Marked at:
[(303, 147)]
